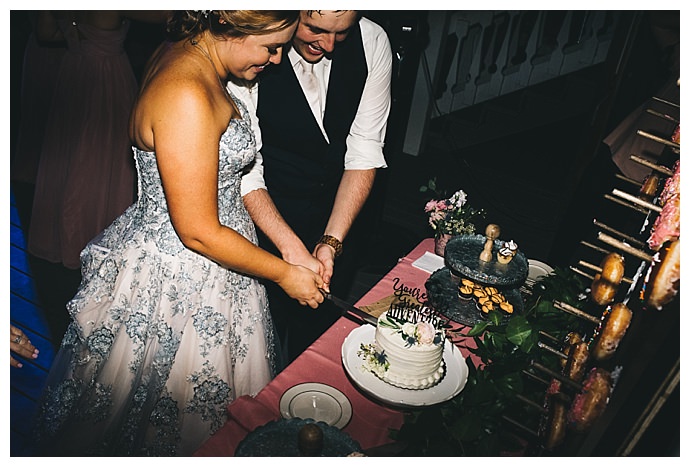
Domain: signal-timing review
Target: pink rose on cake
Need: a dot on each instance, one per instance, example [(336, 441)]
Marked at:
[(425, 333)]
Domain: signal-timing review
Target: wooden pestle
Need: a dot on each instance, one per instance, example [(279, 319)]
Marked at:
[(492, 233)]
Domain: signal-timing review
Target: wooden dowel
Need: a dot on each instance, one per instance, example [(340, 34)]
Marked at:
[(629, 180), (582, 273), (659, 168), (660, 115), (536, 378), (531, 403), (549, 336), (558, 376), (627, 205), (521, 426), (598, 269), (619, 233), (657, 139), (664, 101), (614, 242), (552, 350), (636, 200), (595, 247), (574, 311)]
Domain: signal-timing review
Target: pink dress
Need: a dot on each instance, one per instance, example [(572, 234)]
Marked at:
[(39, 75), (86, 175)]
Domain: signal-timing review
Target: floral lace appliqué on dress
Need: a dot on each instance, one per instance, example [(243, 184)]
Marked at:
[(162, 339)]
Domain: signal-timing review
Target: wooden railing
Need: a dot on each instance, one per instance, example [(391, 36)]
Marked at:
[(474, 56)]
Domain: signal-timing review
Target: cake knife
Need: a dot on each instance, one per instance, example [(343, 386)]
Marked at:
[(348, 308)]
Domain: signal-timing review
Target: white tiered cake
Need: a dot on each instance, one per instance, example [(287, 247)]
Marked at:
[(408, 349)]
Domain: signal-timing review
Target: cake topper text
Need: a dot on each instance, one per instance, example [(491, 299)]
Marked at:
[(411, 305)]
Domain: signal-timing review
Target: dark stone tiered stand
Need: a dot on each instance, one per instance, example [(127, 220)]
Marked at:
[(462, 260)]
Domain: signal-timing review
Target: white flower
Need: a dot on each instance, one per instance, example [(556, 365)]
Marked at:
[(459, 198), (409, 329)]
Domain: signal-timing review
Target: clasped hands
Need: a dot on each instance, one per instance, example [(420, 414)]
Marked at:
[(320, 261)]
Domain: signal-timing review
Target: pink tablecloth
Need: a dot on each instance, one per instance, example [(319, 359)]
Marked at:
[(321, 363)]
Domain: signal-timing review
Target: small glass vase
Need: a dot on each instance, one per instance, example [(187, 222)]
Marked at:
[(440, 241)]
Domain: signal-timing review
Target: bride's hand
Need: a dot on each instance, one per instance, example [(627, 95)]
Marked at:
[(303, 285)]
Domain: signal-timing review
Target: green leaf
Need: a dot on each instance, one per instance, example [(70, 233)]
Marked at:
[(478, 329), (466, 428), (518, 330), (510, 384)]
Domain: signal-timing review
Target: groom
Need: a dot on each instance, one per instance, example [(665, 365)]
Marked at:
[(322, 115)]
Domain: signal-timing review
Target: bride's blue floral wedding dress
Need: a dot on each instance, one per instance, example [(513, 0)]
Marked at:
[(162, 339)]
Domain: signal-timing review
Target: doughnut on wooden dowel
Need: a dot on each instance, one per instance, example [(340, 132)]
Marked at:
[(591, 402), (602, 292), (664, 279), (555, 422), (614, 328)]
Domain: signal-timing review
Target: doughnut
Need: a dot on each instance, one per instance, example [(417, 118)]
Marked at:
[(612, 268), (553, 426), (603, 292), (664, 279), (667, 224), (571, 339), (590, 403), (649, 187), (554, 387), (577, 361), (615, 325)]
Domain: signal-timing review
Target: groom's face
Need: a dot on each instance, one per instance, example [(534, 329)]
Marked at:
[(319, 31)]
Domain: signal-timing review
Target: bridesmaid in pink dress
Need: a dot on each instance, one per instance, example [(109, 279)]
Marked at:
[(86, 175), (39, 72)]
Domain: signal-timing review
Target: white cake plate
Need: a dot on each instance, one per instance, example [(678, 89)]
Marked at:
[(451, 384)]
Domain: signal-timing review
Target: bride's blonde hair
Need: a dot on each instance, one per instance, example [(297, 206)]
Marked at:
[(187, 24)]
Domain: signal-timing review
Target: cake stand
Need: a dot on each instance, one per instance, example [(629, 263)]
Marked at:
[(462, 261)]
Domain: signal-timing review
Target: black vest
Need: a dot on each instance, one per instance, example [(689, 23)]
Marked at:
[(302, 171)]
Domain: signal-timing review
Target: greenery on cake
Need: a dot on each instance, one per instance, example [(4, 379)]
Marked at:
[(475, 422), (374, 361)]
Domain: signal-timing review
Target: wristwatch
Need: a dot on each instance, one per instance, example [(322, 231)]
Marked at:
[(333, 242)]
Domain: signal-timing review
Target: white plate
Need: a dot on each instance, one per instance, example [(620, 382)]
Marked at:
[(537, 269), (450, 386), (317, 401)]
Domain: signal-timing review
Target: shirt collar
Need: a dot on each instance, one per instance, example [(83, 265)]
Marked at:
[(296, 58)]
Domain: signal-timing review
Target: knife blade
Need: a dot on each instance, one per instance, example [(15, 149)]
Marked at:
[(350, 308)]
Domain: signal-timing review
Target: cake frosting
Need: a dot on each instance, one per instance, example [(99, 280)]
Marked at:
[(407, 351)]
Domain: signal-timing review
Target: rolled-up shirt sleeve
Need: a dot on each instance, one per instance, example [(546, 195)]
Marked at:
[(368, 131), (254, 178)]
